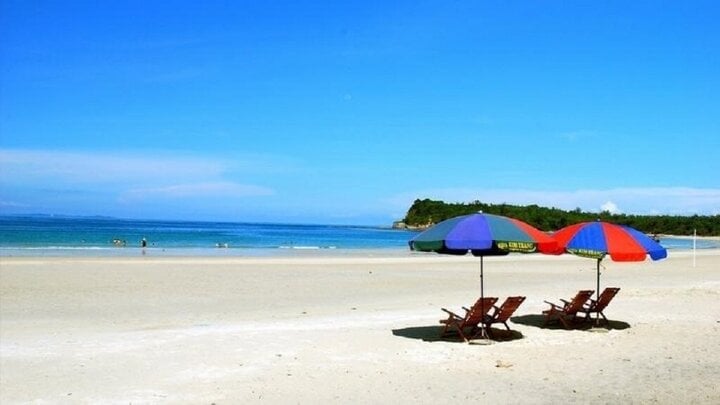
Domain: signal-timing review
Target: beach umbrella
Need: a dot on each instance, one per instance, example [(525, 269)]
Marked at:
[(599, 239), (483, 235)]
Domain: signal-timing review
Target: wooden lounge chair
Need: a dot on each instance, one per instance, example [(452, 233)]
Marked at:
[(503, 313), (569, 309), (598, 306), (472, 319)]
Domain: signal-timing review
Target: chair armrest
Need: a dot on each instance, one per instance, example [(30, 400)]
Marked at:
[(553, 305), (452, 314)]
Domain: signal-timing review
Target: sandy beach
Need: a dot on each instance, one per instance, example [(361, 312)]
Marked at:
[(350, 329)]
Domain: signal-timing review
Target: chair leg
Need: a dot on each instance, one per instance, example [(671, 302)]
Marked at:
[(482, 331), (462, 334), (445, 329), (606, 320), (547, 318)]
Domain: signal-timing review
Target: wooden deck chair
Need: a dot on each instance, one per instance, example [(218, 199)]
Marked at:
[(598, 306), (569, 309), (472, 319), (503, 313)]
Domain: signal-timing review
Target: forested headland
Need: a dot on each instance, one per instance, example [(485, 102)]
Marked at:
[(426, 212)]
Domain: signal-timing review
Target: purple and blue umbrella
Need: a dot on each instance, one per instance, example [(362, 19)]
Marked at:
[(483, 235)]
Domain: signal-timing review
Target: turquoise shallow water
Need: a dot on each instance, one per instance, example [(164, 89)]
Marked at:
[(83, 236), (31, 236)]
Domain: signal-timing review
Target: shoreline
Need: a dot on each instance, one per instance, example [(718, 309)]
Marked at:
[(705, 243), (302, 254), (709, 238)]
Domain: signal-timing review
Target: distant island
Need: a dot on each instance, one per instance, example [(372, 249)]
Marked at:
[(424, 213)]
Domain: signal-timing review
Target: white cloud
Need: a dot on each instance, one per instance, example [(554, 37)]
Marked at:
[(647, 200), (610, 207), (104, 178), (210, 189), (11, 204), (44, 166)]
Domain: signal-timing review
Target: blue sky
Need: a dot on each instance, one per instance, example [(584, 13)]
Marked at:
[(345, 112)]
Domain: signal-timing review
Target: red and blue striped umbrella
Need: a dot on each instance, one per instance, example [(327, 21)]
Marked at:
[(599, 239), (483, 235)]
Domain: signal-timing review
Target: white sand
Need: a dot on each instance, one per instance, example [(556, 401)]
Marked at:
[(349, 330)]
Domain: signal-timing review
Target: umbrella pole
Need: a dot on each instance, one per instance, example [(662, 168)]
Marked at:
[(597, 293), (483, 332), (481, 278)]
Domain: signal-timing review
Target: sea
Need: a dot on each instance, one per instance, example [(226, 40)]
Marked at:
[(71, 236)]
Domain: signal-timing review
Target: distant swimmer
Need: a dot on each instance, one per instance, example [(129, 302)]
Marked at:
[(143, 243), (118, 242)]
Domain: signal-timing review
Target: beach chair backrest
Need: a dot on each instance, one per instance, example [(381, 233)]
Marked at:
[(508, 308), (607, 295), (479, 309), (577, 303)]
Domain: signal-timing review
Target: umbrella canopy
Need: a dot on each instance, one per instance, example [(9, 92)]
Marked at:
[(599, 239), (483, 235)]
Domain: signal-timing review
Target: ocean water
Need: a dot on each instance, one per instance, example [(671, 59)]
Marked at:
[(53, 236), (103, 236)]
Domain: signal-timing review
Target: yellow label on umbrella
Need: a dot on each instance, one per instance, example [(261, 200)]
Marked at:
[(522, 247), (594, 254)]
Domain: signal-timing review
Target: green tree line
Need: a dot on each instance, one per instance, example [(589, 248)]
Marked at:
[(426, 212)]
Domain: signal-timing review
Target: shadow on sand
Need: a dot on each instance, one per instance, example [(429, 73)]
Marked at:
[(432, 334), (537, 320)]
